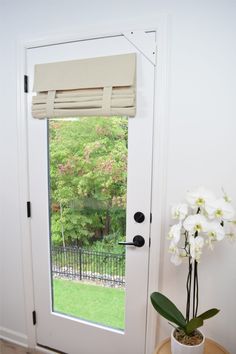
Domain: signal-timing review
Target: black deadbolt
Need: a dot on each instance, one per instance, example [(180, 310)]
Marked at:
[(139, 217)]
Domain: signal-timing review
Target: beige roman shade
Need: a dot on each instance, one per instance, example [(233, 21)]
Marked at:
[(103, 86)]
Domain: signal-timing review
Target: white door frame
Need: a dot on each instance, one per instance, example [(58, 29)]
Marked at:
[(159, 173)]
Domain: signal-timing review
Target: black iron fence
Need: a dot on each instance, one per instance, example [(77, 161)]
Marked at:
[(79, 264)]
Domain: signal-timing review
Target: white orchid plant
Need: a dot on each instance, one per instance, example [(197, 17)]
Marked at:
[(201, 221)]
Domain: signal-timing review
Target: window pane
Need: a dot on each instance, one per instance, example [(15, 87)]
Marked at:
[(88, 178)]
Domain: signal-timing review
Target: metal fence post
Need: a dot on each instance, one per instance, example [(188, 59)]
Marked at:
[(80, 263)]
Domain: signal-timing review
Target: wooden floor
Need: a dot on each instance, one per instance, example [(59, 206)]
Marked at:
[(9, 348)]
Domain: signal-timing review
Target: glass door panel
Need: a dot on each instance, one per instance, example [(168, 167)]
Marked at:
[(88, 185)]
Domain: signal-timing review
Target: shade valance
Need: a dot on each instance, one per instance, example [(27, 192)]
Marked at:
[(103, 86)]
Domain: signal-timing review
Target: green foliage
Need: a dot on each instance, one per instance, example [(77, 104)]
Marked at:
[(169, 311), (208, 314), (193, 324), (88, 164), (109, 244)]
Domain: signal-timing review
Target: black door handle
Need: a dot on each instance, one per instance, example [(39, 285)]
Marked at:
[(138, 241)]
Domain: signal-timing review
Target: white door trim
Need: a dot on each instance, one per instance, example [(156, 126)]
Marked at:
[(161, 26)]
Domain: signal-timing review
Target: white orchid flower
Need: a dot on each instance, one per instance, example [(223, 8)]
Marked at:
[(225, 196), (172, 247), (199, 197), (179, 211), (195, 223), (220, 209), (231, 230), (177, 254), (175, 233), (215, 231), (176, 259), (196, 245), (211, 220)]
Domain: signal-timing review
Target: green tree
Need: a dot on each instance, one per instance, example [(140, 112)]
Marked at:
[(88, 171)]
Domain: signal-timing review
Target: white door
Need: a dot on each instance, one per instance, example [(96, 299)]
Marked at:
[(89, 296)]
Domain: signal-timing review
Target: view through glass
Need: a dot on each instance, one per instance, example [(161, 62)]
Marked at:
[(88, 184)]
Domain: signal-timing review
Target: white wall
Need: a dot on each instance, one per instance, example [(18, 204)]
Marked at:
[(201, 149)]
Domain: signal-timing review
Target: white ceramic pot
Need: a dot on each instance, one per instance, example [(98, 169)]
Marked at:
[(178, 348)]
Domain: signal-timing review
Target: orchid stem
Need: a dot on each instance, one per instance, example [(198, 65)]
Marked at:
[(189, 286), (194, 288), (197, 287)]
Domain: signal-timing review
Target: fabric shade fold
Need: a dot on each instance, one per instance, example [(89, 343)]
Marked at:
[(103, 86)]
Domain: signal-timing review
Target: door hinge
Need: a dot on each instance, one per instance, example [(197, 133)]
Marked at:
[(34, 317), (149, 241), (28, 210), (150, 218), (26, 83)]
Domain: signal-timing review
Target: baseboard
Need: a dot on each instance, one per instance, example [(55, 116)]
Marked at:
[(20, 339), (13, 337)]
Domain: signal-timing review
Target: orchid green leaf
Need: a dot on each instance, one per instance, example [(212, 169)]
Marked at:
[(193, 324), (208, 314), (167, 309)]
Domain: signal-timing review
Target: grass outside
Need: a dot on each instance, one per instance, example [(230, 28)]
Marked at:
[(93, 303)]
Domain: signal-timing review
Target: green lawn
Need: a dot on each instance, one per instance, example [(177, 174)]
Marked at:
[(94, 303)]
